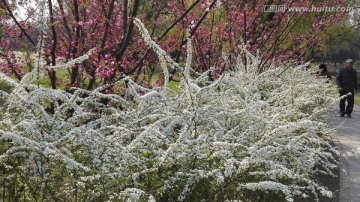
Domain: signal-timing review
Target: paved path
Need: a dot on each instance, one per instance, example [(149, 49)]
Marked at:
[(347, 139)]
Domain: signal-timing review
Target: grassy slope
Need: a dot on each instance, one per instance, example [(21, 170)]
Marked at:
[(62, 78)]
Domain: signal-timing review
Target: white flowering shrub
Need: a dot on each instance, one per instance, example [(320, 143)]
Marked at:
[(246, 136)]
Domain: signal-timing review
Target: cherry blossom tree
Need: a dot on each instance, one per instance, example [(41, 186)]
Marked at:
[(218, 29)]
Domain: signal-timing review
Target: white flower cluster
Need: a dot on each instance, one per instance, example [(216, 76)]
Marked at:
[(74, 61), (269, 185), (211, 141)]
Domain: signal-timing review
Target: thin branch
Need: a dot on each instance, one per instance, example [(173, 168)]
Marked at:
[(17, 23), (107, 23), (179, 19), (202, 18), (352, 42), (66, 24), (191, 33), (274, 28), (166, 32), (275, 45)]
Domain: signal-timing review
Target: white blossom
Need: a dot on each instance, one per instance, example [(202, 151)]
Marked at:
[(263, 132)]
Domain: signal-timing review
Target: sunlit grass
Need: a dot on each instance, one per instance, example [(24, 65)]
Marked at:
[(357, 98), (63, 79)]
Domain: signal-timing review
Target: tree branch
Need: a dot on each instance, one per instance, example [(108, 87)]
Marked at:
[(75, 69), (52, 73), (17, 23), (11, 65), (107, 24), (202, 18), (178, 20), (119, 54)]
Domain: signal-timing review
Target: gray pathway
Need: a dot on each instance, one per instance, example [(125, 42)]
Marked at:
[(347, 139)]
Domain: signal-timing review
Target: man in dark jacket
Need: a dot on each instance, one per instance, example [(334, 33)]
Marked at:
[(347, 83)]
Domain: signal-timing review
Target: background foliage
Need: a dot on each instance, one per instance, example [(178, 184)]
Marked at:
[(67, 29)]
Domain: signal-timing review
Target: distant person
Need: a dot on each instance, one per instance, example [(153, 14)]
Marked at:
[(323, 71), (347, 83)]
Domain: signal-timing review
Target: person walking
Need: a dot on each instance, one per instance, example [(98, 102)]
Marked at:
[(346, 81)]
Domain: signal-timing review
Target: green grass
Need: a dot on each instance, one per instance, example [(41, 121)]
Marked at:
[(357, 99), (62, 77), (173, 85)]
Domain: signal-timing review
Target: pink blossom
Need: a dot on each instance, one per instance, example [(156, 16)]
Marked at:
[(89, 76), (89, 110)]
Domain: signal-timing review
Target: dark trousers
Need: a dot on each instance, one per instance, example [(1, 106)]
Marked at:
[(350, 102)]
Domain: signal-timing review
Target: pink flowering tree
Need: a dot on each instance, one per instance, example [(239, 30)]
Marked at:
[(219, 29)]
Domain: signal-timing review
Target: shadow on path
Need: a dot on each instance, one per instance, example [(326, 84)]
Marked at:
[(347, 140)]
